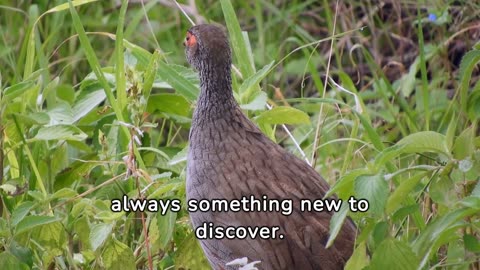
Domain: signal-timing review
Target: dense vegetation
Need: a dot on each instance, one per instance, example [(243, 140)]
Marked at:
[(96, 101)]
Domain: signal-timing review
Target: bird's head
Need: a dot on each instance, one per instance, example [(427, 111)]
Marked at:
[(207, 47)]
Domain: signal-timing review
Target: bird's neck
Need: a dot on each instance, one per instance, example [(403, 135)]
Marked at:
[(216, 96)]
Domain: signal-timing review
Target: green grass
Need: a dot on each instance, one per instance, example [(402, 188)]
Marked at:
[(82, 81)]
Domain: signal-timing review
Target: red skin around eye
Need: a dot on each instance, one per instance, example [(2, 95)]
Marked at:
[(191, 40)]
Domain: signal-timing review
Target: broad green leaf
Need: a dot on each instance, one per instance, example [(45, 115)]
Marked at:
[(99, 233), (177, 81), (427, 240), (117, 255), (154, 150), (166, 226), (179, 157), (9, 262), (464, 146), (190, 256), (21, 211), (388, 154), (452, 126), (60, 132), (379, 233), (172, 185), (344, 187), (51, 236), (442, 191), (283, 115), (359, 258), (168, 103), (247, 87), (472, 243), (149, 76), (87, 101), (30, 222), (336, 223), (374, 189), (64, 193), (82, 228), (24, 254), (258, 102), (424, 141), (15, 90), (75, 171), (401, 193), (61, 114), (393, 254), (36, 118)]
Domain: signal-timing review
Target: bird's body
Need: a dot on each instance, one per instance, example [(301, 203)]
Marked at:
[(229, 158)]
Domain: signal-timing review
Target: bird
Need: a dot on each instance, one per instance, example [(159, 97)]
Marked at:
[(229, 158)]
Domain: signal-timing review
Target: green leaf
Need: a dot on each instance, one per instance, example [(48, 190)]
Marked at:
[(359, 258), (247, 87), (24, 254), (283, 115), (93, 61), (169, 103), (118, 256), (15, 90), (64, 193), (394, 255), (51, 236), (336, 223), (62, 7), (99, 233), (181, 156), (120, 65), (190, 256), (452, 126), (177, 81), (374, 189), (10, 262), (427, 240), (401, 193), (21, 211), (87, 101), (464, 146), (344, 187), (236, 39), (442, 191), (258, 102), (61, 114), (36, 118), (60, 132), (74, 172), (30, 222), (471, 243), (425, 141), (388, 154), (469, 61), (166, 226)]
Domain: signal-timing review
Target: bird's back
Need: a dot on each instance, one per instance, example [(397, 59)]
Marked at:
[(230, 158)]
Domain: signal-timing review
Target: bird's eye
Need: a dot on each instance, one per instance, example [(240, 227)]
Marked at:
[(190, 40)]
